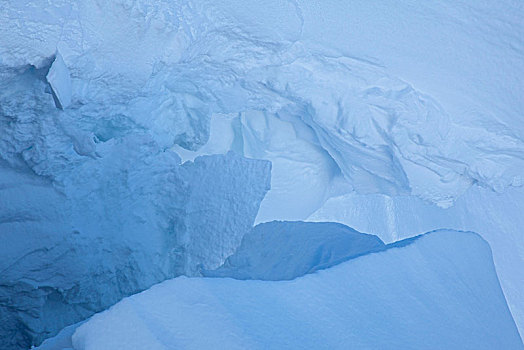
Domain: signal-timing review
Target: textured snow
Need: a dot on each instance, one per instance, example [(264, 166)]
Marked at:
[(283, 250), (371, 108), (453, 122), (439, 291), (383, 133)]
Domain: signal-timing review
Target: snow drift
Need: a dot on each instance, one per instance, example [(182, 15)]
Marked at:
[(439, 290)]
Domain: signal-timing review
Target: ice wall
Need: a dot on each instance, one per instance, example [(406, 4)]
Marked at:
[(93, 208), (122, 222)]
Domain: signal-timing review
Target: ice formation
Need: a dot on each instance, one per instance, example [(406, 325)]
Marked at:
[(59, 80), (121, 223), (283, 250), (394, 119), (439, 291)]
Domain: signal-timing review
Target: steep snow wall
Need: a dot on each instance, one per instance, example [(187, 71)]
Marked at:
[(93, 209), (438, 291), (120, 223)]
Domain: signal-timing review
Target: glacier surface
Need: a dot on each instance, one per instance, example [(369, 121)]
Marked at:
[(395, 119)]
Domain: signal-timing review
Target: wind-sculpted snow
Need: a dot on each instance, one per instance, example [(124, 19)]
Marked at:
[(384, 136), (497, 217), (378, 132), (95, 96), (283, 250), (438, 291)]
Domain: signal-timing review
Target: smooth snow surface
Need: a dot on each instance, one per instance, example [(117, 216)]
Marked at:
[(285, 250), (62, 341), (439, 291), (497, 217)]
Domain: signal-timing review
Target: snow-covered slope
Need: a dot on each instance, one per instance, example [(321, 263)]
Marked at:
[(438, 291), (283, 250), (453, 121), (497, 217), (376, 98)]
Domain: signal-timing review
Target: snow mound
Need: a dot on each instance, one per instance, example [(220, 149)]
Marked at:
[(285, 250), (439, 291)]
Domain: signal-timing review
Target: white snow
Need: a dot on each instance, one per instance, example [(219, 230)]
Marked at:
[(496, 217), (62, 341), (117, 224), (386, 133), (439, 291)]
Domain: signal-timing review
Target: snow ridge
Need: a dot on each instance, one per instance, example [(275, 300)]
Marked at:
[(439, 291)]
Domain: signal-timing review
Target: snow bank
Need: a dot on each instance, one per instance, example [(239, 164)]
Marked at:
[(285, 250), (438, 291)]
